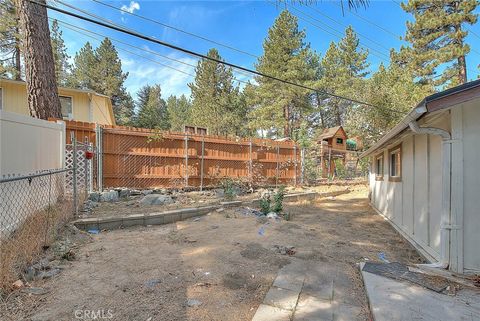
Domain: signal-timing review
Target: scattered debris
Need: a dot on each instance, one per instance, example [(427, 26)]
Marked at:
[(476, 280), (48, 274), (151, 283), (261, 231), (35, 291), (221, 209), (193, 302), (93, 231), (284, 250), (382, 257), (205, 284), (196, 219), (18, 284)]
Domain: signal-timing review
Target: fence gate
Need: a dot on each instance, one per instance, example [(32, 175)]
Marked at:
[(84, 167)]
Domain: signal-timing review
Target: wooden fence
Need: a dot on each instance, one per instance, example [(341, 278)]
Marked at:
[(144, 158)]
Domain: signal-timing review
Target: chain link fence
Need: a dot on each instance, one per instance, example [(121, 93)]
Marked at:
[(32, 210), (138, 158)]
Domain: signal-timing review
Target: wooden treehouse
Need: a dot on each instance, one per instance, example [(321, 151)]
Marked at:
[(333, 146)]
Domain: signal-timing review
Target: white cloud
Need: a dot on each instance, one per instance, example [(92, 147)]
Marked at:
[(131, 8), (172, 82)]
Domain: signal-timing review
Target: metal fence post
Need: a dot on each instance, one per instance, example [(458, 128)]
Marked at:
[(90, 172), (99, 136), (295, 164), (74, 175), (250, 167), (201, 163), (186, 159), (302, 165), (278, 164)]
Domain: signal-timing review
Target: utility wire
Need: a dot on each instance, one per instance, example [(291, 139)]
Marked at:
[(341, 24), (112, 23), (193, 53), (176, 29), (340, 35), (76, 28)]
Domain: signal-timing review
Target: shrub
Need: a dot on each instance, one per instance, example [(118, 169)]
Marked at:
[(228, 186), (265, 203), (278, 200)]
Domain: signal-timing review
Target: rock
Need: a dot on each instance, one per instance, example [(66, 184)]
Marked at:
[(48, 274), (18, 284), (94, 197), (135, 192), (109, 196), (193, 302), (35, 291), (219, 192), (272, 215), (147, 191), (124, 193), (156, 199)]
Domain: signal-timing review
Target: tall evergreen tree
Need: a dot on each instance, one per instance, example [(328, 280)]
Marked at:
[(152, 109), (10, 42), (60, 56), (101, 71), (342, 71), (215, 102), (276, 105), (437, 37), (83, 74), (179, 110)]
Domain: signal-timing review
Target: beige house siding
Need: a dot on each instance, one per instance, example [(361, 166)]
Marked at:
[(86, 106)]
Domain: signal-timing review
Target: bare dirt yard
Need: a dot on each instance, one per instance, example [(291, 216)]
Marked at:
[(216, 267)]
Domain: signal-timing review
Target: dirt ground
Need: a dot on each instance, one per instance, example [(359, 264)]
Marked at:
[(218, 267)]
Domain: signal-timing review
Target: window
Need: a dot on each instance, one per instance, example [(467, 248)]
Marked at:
[(201, 131), (339, 141), (379, 167), (190, 129), (66, 103), (395, 164)]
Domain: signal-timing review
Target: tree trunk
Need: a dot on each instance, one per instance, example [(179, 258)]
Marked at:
[(42, 92), (462, 72), (322, 114), (286, 127), (18, 63)]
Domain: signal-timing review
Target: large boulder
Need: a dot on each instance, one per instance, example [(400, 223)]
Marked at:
[(156, 199)]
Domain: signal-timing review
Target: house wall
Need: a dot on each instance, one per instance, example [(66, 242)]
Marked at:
[(466, 210), (414, 205), (15, 100)]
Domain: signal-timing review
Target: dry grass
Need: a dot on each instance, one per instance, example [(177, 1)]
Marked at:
[(29, 241)]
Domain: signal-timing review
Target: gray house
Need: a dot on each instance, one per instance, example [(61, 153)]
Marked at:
[(424, 178)]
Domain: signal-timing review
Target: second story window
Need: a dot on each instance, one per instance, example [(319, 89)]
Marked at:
[(67, 108), (339, 141)]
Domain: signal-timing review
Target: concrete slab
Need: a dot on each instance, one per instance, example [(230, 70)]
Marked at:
[(310, 308), (281, 298), (291, 277), (394, 300), (270, 313)]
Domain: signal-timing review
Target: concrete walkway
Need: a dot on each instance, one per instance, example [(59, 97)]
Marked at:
[(310, 291), (392, 300)]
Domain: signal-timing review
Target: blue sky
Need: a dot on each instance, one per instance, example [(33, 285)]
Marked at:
[(239, 24)]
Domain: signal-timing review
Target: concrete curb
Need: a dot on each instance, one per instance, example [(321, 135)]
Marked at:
[(171, 216)]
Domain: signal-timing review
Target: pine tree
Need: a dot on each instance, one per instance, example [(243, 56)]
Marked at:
[(60, 56), (10, 42), (391, 87), (276, 105), (437, 38), (152, 109), (83, 74), (215, 102), (179, 110), (342, 72), (101, 70)]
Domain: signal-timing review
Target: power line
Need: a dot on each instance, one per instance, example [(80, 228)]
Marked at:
[(193, 53), (111, 23), (344, 25), (335, 33), (73, 28), (176, 29)]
